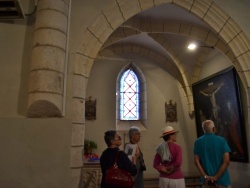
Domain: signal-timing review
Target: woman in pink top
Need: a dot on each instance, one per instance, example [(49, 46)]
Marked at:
[(168, 160)]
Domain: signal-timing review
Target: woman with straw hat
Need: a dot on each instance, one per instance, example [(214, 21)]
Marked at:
[(168, 160)]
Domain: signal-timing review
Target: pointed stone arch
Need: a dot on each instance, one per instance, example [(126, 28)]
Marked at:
[(116, 13), (207, 11)]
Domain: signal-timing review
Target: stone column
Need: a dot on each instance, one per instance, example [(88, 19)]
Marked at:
[(48, 59)]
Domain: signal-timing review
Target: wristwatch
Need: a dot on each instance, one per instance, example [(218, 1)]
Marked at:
[(205, 177)]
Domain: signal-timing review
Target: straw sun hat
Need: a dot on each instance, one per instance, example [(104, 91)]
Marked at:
[(168, 130)]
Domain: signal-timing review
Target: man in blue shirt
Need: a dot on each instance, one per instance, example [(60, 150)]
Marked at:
[(211, 156)]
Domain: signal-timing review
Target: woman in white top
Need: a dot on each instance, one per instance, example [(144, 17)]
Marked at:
[(134, 138)]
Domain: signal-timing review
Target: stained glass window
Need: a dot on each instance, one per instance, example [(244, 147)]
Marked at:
[(129, 96)]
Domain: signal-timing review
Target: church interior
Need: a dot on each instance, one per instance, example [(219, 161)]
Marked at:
[(58, 55)]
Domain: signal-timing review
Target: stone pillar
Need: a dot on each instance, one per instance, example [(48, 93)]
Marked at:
[(82, 65), (48, 59)]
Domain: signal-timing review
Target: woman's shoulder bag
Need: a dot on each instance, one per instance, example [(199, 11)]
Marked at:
[(117, 177)]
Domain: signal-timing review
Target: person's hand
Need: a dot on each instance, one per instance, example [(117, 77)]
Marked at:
[(210, 180), (162, 171), (213, 178), (166, 170), (170, 169)]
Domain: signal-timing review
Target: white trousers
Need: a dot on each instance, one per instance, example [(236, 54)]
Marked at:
[(171, 183)]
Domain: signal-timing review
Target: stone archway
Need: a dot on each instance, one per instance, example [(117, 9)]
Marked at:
[(112, 17)]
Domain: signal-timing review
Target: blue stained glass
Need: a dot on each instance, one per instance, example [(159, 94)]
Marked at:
[(129, 96)]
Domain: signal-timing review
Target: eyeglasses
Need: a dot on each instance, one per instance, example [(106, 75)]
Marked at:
[(118, 138)]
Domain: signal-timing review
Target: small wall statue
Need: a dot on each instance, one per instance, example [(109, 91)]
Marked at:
[(90, 109), (171, 112)]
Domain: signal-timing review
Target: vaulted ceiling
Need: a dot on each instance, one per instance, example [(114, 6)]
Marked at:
[(161, 35)]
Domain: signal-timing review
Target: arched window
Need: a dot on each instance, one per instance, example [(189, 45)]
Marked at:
[(129, 96), (131, 101)]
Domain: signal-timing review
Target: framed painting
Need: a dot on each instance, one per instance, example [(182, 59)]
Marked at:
[(218, 98)]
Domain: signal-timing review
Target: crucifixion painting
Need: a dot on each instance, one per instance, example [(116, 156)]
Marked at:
[(218, 98), (210, 92)]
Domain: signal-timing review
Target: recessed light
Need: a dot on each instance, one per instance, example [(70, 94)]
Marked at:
[(192, 46)]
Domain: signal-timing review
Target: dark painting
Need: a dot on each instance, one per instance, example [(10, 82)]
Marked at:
[(90, 109), (218, 98)]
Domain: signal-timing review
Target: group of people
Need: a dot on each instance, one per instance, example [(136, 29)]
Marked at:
[(211, 157), (136, 166)]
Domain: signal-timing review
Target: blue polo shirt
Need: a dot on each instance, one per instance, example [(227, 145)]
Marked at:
[(210, 149)]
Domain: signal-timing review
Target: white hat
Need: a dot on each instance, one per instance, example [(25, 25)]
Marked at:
[(168, 130)]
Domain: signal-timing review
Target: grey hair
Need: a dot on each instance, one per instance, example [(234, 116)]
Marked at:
[(208, 126), (133, 130)]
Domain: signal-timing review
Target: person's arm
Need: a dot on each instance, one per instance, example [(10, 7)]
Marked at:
[(204, 93), (199, 166), (218, 87), (178, 159), (223, 167), (160, 167), (157, 164)]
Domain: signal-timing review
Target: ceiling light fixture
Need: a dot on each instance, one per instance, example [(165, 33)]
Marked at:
[(192, 46)]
